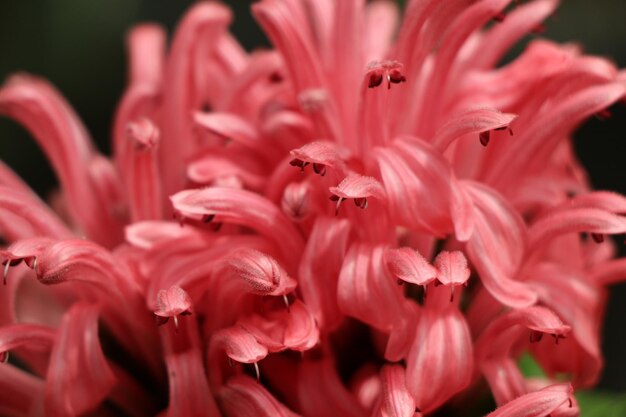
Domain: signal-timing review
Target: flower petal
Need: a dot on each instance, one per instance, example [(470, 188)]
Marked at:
[(189, 393), (240, 345), (79, 377), (365, 290), (262, 273), (410, 266), (244, 208), (244, 397), (440, 362), (200, 28), (496, 247), (172, 302), (397, 401), (452, 268), (536, 404)]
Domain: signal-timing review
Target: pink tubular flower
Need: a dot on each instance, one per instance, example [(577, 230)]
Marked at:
[(372, 219)]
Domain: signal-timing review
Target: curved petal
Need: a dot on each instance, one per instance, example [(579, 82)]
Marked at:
[(410, 266), (320, 268), (397, 401), (365, 290), (440, 361), (244, 397), (262, 273), (321, 392), (536, 404), (189, 393), (240, 345), (200, 28), (79, 377), (496, 247), (244, 208)]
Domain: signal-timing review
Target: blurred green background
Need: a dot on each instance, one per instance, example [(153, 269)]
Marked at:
[(79, 46)]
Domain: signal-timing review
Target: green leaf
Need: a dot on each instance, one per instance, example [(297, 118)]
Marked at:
[(529, 366), (601, 404)]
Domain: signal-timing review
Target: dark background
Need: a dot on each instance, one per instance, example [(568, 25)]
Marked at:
[(79, 46)]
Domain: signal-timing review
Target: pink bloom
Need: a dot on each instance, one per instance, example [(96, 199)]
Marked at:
[(364, 223)]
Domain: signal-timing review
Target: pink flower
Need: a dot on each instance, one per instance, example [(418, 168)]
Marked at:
[(365, 223)]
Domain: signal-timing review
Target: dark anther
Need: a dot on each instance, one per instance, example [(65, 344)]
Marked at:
[(557, 337), (500, 17), (375, 80), (276, 77), (319, 169), (484, 137), (298, 163), (604, 115), (535, 336), (505, 128), (160, 321), (360, 202), (216, 226), (208, 218), (334, 197), (396, 77), (597, 237), (539, 29)]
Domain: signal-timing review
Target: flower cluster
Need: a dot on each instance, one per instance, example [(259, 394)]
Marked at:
[(371, 219)]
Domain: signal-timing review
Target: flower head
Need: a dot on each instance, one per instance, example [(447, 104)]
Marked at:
[(467, 242)]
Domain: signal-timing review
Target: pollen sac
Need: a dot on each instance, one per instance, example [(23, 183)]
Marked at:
[(377, 72), (298, 163), (376, 79), (485, 136), (500, 17), (321, 155)]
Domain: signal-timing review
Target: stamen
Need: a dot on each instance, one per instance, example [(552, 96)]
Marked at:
[(256, 370), (319, 169), (286, 300), (484, 137), (4, 357), (535, 336), (338, 200), (176, 323), (360, 202), (208, 218), (389, 70), (6, 271), (276, 77), (500, 17), (597, 237), (604, 115), (298, 163), (539, 29), (376, 79)]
